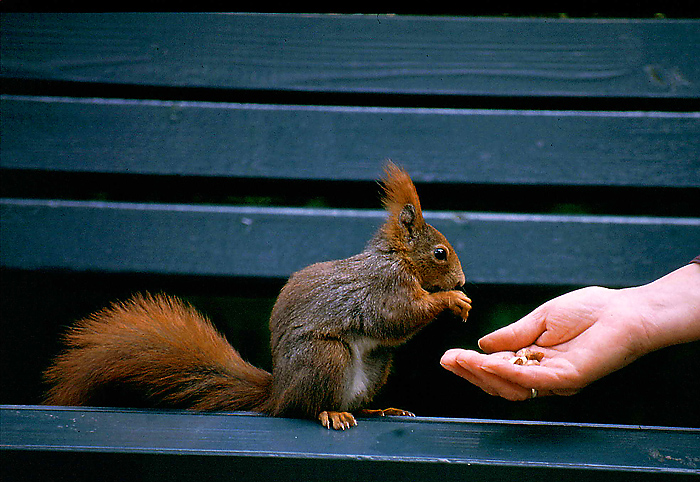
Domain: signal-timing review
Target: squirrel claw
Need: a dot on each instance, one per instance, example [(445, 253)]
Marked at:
[(337, 420)]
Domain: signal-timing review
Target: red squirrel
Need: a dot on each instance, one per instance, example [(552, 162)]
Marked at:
[(333, 330)]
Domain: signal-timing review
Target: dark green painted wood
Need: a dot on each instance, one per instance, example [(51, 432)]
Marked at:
[(649, 149), (274, 242), (556, 63), (477, 448), (363, 53)]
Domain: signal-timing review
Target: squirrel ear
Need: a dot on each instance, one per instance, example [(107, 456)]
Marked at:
[(407, 218), (401, 200)]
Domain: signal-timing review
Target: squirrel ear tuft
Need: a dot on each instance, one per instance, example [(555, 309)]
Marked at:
[(399, 194)]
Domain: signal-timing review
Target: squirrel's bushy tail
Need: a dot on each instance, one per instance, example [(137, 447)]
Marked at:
[(161, 350)]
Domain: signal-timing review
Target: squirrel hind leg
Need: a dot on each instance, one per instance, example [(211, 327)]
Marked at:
[(383, 412), (337, 420)]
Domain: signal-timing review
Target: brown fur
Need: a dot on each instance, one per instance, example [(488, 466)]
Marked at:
[(399, 191), (161, 347), (333, 327)]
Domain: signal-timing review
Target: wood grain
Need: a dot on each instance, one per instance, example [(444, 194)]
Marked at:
[(255, 447), (506, 147), (274, 242), (361, 54)]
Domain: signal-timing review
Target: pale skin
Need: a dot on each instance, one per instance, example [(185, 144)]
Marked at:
[(584, 335)]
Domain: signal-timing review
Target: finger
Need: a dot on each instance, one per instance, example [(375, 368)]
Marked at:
[(512, 337), (466, 364)]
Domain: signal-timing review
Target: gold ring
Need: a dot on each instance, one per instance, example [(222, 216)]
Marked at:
[(533, 393)]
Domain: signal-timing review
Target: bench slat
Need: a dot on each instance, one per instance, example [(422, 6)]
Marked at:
[(458, 446), (348, 143), (366, 54), (274, 242)]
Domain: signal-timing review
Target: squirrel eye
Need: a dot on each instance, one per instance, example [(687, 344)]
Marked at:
[(440, 254)]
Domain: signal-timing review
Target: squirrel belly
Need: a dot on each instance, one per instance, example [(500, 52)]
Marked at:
[(159, 352)]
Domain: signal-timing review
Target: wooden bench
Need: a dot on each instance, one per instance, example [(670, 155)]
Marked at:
[(212, 155)]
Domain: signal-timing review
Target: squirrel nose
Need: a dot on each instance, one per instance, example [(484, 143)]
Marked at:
[(461, 279), (459, 286)]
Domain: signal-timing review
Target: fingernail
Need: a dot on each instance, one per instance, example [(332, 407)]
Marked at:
[(488, 369), (463, 364)]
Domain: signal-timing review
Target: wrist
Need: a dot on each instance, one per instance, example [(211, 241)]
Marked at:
[(666, 311), (641, 316)]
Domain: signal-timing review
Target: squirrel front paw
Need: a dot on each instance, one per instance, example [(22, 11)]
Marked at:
[(457, 302)]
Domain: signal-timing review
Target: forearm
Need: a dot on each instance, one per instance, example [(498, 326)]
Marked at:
[(669, 309)]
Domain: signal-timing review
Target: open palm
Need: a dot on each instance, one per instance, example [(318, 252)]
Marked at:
[(583, 335)]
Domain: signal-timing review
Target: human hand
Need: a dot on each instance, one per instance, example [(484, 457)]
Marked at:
[(584, 335)]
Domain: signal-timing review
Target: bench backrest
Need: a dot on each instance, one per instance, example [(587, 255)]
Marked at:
[(509, 109)]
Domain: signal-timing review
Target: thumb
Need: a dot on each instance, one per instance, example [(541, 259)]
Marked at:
[(515, 336)]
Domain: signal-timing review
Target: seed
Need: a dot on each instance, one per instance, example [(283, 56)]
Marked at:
[(530, 354), (518, 360)]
